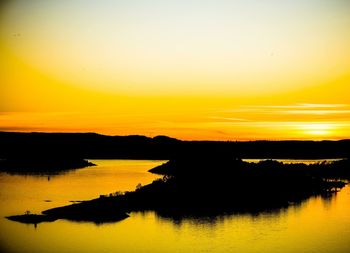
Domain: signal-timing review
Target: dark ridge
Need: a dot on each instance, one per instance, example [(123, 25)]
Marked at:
[(84, 145), (92, 145)]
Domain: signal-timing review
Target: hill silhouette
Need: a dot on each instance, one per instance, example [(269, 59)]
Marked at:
[(92, 145)]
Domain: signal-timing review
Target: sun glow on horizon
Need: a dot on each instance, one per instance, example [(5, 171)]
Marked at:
[(217, 70), (321, 129)]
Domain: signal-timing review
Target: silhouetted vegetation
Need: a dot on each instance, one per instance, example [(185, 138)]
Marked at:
[(202, 177), (91, 145), (183, 167), (215, 186), (93, 211), (31, 218), (41, 165)]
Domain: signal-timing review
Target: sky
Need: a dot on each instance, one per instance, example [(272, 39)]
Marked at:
[(213, 70)]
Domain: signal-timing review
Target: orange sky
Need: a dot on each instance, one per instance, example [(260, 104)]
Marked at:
[(219, 70)]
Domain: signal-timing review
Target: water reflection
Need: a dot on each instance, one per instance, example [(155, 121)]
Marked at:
[(38, 192), (317, 224), (42, 174), (214, 219), (295, 161)]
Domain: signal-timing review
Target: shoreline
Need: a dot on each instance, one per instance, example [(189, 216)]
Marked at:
[(185, 191)]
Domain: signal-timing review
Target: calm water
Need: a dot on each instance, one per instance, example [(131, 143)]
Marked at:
[(306, 161), (317, 225)]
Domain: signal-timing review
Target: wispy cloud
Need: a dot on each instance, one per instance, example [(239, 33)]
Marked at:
[(288, 121), (229, 119), (295, 109), (298, 106), (315, 112)]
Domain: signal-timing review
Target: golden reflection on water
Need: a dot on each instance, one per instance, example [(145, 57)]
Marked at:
[(37, 193), (317, 225), (293, 161)]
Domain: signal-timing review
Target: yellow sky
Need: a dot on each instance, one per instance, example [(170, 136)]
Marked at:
[(222, 70)]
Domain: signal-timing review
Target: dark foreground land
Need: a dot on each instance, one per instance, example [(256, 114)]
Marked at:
[(201, 178), (209, 188)]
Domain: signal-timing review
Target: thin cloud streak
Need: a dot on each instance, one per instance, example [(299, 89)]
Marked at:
[(316, 112), (302, 109), (224, 119), (298, 106)]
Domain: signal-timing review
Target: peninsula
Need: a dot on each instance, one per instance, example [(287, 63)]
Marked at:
[(214, 187)]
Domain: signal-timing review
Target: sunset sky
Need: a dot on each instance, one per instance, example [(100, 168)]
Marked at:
[(190, 69)]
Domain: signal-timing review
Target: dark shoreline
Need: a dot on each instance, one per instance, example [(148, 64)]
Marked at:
[(244, 188), (42, 165), (31, 218), (199, 177)]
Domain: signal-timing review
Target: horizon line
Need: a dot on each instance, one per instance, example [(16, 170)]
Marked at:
[(160, 135)]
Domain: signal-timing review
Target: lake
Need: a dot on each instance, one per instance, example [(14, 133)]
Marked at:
[(318, 224), (293, 161)]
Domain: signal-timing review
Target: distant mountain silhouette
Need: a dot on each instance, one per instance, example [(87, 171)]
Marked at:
[(92, 145)]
